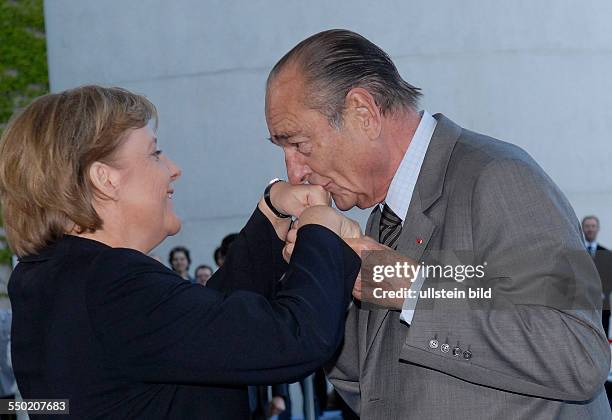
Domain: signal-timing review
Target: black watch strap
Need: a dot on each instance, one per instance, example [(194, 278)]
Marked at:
[(269, 202)]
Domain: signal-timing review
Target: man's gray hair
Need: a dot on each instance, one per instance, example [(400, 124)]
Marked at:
[(335, 61)]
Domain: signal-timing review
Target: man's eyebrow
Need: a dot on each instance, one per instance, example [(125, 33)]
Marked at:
[(278, 139)]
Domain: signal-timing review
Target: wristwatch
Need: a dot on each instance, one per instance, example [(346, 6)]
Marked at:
[(269, 202)]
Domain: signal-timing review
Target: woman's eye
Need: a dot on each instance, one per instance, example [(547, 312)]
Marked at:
[(157, 154)]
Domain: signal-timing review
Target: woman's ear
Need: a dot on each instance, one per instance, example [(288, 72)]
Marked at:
[(105, 179), (363, 111)]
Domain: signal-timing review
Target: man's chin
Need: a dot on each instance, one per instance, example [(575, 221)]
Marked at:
[(342, 203)]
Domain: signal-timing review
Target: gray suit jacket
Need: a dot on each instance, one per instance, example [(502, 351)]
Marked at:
[(536, 348)]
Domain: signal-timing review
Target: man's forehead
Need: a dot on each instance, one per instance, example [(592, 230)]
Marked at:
[(285, 87)]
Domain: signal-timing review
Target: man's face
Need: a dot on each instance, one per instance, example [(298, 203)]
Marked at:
[(590, 227), (316, 152), (203, 275)]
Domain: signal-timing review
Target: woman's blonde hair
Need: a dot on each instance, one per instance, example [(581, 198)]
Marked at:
[(46, 151)]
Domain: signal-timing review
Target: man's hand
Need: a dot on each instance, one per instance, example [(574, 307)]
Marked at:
[(277, 406), (324, 216), (374, 258)]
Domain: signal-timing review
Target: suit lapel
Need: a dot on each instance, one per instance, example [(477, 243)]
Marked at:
[(371, 231), (417, 228)]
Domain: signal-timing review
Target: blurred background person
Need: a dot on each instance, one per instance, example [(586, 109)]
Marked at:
[(202, 274), (223, 249), (590, 228), (180, 260), (8, 386), (219, 257), (264, 407), (602, 257), (603, 261)]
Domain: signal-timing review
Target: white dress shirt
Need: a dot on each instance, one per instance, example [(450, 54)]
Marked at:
[(591, 247), (401, 189)]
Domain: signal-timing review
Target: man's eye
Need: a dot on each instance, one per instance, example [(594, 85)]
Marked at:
[(303, 147), (157, 153)]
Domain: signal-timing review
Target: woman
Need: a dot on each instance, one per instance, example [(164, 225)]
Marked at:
[(86, 194), (180, 260), (203, 273)]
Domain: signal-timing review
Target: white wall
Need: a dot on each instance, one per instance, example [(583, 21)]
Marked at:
[(533, 73)]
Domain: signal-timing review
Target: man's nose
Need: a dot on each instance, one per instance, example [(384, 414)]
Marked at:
[(297, 170)]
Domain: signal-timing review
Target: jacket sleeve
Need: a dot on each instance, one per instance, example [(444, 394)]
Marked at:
[(156, 328), (254, 261), (541, 333)]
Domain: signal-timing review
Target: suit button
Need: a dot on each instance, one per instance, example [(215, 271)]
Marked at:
[(457, 351), (467, 355), (433, 343), (445, 348)]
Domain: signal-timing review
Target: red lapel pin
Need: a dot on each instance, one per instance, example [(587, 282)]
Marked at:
[(419, 241)]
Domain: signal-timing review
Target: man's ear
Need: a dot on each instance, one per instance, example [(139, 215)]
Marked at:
[(361, 109), (105, 179)]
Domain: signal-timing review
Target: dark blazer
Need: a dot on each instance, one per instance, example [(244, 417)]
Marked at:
[(122, 336)]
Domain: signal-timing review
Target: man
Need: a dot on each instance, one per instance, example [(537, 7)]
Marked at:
[(347, 121), (603, 261), (202, 274), (590, 228)]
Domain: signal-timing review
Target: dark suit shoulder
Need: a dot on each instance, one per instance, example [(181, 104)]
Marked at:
[(124, 262)]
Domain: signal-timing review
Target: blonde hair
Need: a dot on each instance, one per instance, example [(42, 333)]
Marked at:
[(46, 151)]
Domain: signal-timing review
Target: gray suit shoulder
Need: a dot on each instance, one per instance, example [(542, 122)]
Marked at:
[(484, 149)]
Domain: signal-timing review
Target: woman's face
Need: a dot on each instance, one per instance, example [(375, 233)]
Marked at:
[(145, 188), (180, 263), (203, 275)]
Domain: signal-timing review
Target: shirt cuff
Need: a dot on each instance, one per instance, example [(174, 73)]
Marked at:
[(410, 302)]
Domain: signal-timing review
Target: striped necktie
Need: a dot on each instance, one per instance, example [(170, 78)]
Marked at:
[(388, 233), (390, 227)]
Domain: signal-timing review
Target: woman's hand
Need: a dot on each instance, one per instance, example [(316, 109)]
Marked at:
[(292, 200), (325, 216)]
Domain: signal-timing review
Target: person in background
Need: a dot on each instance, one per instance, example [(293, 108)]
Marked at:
[(203, 274), (219, 257), (180, 260), (8, 386), (590, 228), (602, 257), (221, 252), (603, 261)]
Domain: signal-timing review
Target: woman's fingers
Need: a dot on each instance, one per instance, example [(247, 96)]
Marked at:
[(288, 251), (291, 235)]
